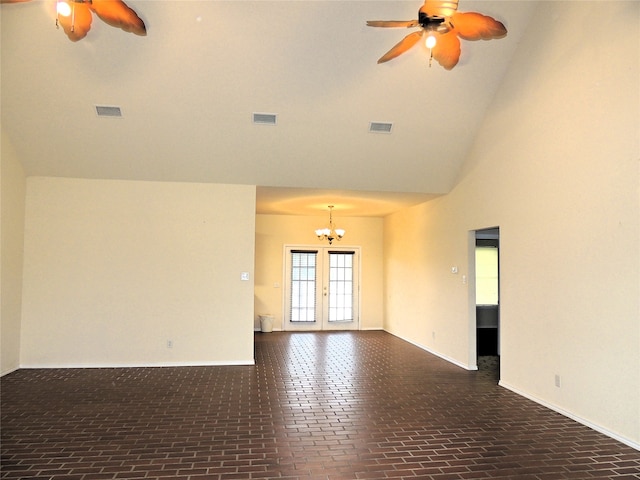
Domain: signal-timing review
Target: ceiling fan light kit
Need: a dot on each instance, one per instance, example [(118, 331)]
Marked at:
[(442, 26)]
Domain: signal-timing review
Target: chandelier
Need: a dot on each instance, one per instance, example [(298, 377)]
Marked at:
[(330, 233)]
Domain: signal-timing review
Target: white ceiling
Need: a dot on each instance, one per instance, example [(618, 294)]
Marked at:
[(189, 88)]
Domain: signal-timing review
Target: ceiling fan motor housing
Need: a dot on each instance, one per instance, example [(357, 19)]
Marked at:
[(439, 8), (433, 15), (433, 23)]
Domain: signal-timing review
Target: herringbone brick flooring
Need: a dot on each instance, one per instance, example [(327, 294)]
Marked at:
[(353, 405)]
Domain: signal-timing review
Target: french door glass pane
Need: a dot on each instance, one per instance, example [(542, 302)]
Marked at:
[(340, 287), (303, 286)]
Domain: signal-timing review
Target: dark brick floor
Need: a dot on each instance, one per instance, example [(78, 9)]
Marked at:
[(355, 405)]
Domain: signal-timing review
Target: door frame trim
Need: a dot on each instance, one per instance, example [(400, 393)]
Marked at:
[(473, 235), (297, 246)]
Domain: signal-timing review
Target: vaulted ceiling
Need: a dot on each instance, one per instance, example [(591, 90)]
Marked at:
[(189, 89)]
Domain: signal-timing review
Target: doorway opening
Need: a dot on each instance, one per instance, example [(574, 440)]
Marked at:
[(321, 288), (487, 300)]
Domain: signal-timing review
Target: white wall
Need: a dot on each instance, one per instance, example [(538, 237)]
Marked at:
[(275, 231), (115, 269), (556, 167), (12, 189)]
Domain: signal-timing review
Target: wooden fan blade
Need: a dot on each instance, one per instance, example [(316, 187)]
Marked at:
[(390, 23), (475, 26), (402, 46), (117, 14), (78, 24), (447, 49)]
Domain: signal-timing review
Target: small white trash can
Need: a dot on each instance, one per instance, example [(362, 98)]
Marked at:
[(266, 323)]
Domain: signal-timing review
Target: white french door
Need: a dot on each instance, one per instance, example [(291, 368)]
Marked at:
[(321, 288)]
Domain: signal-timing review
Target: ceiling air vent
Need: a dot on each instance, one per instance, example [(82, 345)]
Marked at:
[(107, 111), (380, 127), (264, 118)]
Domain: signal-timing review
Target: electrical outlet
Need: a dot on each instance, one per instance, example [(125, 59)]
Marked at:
[(433, 335), (169, 343), (557, 380)]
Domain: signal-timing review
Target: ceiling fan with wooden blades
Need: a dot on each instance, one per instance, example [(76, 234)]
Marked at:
[(75, 16), (440, 25)]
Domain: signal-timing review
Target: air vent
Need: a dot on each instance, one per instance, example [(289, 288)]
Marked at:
[(380, 127), (106, 111), (264, 118)]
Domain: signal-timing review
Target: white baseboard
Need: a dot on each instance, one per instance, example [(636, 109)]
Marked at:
[(583, 421), (437, 354), (142, 365), (11, 370), (368, 329)]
